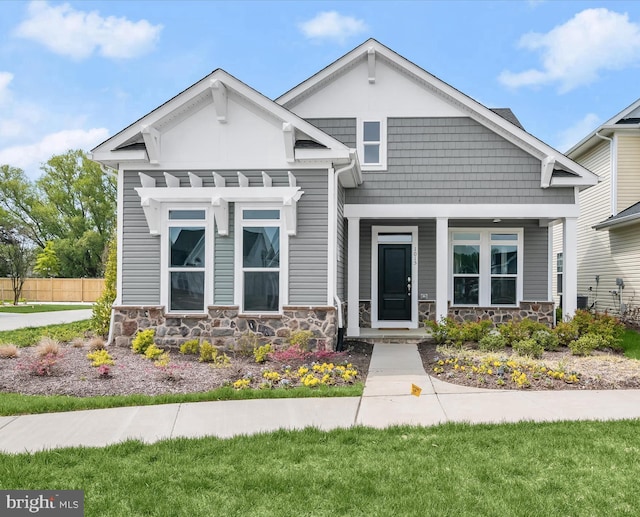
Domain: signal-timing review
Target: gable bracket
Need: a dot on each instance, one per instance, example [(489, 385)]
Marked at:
[(151, 138), (289, 141), (221, 215), (220, 101), (151, 209), (547, 171), (371, 61)]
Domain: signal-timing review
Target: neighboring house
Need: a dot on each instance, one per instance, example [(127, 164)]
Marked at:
[(609, 222), (371, 196)]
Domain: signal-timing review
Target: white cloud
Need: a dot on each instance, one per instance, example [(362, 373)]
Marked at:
[(574, 53), (78, 34), (331, 25), (30, 156), (572, 135), (5, 79)]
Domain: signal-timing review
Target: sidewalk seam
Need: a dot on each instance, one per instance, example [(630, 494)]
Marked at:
[(10, 421), (175, 421)]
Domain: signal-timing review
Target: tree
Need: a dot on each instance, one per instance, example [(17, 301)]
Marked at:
[(47, 263), (16, 258), (73, 205), (101, 317)]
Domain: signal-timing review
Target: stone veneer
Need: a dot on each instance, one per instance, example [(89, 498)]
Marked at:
[(542, 312), (223, 325)]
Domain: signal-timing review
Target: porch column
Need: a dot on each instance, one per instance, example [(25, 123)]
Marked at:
[(353, 273), (570, 268), (442, 270)]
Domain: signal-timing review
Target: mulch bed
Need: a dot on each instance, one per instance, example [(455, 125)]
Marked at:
[(602, 370)]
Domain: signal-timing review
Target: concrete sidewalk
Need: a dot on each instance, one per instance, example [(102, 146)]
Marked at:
[(386, 401), (12, 321)]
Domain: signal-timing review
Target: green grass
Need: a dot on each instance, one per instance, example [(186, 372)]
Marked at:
[(28, 309), (631, 343), (16, 404), (525, 469), (31, 335)]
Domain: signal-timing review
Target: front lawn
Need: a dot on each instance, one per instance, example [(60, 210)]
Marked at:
[(31, 335), (525, 469), (31, 308), (631, 343)]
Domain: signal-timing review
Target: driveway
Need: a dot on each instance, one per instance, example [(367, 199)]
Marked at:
[(11, 321)]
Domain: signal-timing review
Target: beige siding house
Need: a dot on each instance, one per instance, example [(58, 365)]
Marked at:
[(609, 224)]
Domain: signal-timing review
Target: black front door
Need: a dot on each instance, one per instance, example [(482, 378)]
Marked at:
[(394, 282)]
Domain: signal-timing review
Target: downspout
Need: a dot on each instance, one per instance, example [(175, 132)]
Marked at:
[(612, 166), (336, 299)]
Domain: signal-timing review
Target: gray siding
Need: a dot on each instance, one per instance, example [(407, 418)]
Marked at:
[(308, 249), (342, 129), (224, 264), (535, 264), (140, 250), (453, 160)]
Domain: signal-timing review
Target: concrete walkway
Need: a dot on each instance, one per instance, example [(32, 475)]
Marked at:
[(386, 401), (12, 321)]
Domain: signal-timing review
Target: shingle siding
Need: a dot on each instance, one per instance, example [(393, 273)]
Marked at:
[(453, 160), (342, 129)]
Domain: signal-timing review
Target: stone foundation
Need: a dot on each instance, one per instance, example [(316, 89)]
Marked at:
[(542, 312), (223, 325)]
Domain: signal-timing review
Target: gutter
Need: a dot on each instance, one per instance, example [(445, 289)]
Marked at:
[(622, 221), (612, 171)]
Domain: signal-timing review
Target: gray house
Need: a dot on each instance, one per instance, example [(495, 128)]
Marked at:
[(368, 198)]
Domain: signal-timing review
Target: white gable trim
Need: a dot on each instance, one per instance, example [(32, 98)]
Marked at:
[(472, 108)]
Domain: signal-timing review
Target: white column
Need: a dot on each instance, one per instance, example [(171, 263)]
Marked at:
[(353, 296), (442, 269), (570, 268), (550, 262)]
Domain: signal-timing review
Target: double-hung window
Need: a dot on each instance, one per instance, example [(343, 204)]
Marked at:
[(486, 267), (371, 144), (187, 236), (559, 273), (261, 261)]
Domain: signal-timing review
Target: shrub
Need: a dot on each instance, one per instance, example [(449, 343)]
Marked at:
[(8, 351), (41, 365), (566, 332), (99, 358), (546, 339), (101, 317), (210, 354), (475, 330), (142, 341), (289, 354), (77, 342), (153, 352), (246, 343), (191, 347), (261, 353), (518, 330), (300, 338), (47, 346), (439, 329), (492, 342), (529, 347), (585, 345)]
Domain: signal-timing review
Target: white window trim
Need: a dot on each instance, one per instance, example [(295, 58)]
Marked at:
[(165, 270), (375, 232), (240, 223), (485, 263), (382, 165)]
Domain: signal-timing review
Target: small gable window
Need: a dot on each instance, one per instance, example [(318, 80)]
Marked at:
[(371, 139)]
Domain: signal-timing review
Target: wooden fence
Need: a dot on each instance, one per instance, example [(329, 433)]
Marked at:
[(55, 289)]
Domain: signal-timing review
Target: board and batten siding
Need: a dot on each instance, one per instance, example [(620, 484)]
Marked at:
[(595, 206), (140, 250), (307, 250), (628, 171), (453, 160)]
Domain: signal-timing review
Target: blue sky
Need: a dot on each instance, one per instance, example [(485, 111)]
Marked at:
[(74, 73)]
